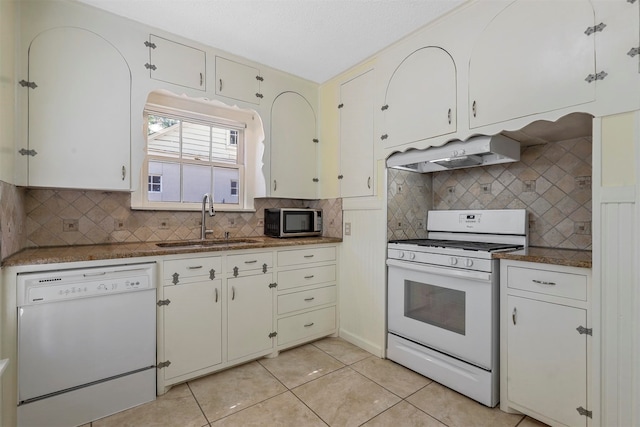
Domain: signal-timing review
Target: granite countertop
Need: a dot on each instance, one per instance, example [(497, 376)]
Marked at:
[(55, 254), (555, 256)]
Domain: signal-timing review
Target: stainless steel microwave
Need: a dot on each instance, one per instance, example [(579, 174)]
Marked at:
[(292, 222)]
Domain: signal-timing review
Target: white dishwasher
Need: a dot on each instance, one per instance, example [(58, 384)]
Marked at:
[(86, 343)]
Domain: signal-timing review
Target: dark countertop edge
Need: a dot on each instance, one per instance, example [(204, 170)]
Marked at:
[(554, 256), (79, 253)]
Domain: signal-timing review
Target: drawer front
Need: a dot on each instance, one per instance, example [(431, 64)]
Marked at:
[(555, 283), (305, 325), (306, 299), (305, 256), (306, 276), (248, 262), (192, 267)]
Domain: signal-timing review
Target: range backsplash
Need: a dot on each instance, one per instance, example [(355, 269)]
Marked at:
[(552, 181)]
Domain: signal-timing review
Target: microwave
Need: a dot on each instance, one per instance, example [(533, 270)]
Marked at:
[(292, 222)]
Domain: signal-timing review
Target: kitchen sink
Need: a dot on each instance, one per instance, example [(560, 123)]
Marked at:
[(205, 243)]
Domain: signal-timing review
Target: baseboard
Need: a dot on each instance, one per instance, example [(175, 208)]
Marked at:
[(372, 348)]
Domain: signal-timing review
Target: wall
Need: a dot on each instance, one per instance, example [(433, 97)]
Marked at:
[(79, 217), (552, 181)]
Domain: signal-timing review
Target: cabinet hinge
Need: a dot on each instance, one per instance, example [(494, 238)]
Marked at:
[(582, 330), (25, 83), (264, 268), (631, 1), (260, 78), (212, 274), (259, 95), (385, 107), (150, 66), (340, 105), (592, 77), (164, 302), (273, 334), (383, 137), (340, 176), (316, 180), (163, 364), (591, 30), (176, 277), (273, 285), (235, 271), (26, 152), (584, 412), (316, 140), (634, 51), (149, 44)]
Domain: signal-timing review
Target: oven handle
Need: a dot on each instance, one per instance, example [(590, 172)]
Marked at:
[(423, 268)]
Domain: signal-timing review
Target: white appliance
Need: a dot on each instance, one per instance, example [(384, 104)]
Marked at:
[(86, 343), (443, 298)]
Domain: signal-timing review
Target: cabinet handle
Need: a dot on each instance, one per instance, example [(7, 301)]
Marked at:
[(124, 172), (309, 299), (513, 315), (220, 90), (369, 183), (309, 256), (308, 325), (309, 277), (449, 116), (473, 108), (200, 79), (216, 300), (275, 185), (233, 293), (194, 267), (251, 262), (541, 282)]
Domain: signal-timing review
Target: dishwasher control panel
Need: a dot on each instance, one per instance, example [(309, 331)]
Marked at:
[(34, 288)]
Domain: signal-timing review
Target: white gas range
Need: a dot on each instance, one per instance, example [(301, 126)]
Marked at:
[(443, 298)]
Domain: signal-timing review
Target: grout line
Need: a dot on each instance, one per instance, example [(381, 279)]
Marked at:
[(198, 403)]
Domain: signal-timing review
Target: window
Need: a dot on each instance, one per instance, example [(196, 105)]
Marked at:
[(233, 137), (234, 187), (155, 184)]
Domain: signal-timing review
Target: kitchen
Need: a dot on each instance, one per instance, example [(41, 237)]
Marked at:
[(362, 318)]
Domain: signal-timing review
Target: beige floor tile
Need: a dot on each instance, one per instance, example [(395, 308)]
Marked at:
[(395, 378), (530, 422), (300, 365), (230, 391), (175, 408), (342, 350), (405, 415), (345, 398), (456, 410), (282, 410)]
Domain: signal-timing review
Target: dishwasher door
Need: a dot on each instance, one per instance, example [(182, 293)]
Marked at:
[(78, 328)]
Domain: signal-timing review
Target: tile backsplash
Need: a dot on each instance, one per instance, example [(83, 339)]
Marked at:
[(12, 219), (552, 181)]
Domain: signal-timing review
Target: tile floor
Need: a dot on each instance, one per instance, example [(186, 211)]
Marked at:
[(326, 383)]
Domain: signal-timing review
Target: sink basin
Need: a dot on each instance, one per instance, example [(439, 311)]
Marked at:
[(205, 243)]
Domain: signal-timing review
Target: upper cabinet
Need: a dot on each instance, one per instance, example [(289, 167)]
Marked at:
[(176, 63), (79, 94), (356, 137), (294, 164), (420, 100), (238, 81), (532, 59)]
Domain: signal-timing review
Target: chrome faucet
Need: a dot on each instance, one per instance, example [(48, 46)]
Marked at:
[(212, 212)]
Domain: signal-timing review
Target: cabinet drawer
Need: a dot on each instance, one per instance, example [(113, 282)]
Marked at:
[(306, 299), (191, 267), (249, 262), (306, 276), (548, 282), (304, 256), (305, 325)]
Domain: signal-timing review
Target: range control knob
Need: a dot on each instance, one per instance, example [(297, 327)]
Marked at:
[(412, 255), (400, 254), (468, 262), (453, 260)]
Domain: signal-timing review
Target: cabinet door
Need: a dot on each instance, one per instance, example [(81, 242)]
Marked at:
[(176, 63), (356, 137), (293, 147), (192, 327), (79, 120), (250, 315), (547, 359), (531, 59), (420, 101), (237, 81)]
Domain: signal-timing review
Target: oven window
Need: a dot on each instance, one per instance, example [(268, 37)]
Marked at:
[(435, 305)]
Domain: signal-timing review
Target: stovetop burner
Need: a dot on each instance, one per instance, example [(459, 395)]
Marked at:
[(458, 244)]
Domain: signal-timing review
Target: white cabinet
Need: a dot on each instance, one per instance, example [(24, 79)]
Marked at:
[(238, 81), (294, 159), (532, 59), (356, 137), (79, 121), (546, 333), (176, 63), (307, 294), (420, 99)]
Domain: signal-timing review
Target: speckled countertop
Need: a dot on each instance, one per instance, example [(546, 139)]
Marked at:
[(55, 254), (568, 257)]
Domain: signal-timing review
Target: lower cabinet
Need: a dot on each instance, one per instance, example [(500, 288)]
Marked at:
[(546, 333)]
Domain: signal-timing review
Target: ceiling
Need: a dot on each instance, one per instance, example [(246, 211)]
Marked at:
[(313, 39)]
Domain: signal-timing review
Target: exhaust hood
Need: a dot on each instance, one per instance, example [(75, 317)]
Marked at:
[(476, 151)]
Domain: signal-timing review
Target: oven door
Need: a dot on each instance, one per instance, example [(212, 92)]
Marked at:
[(449, 310)]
